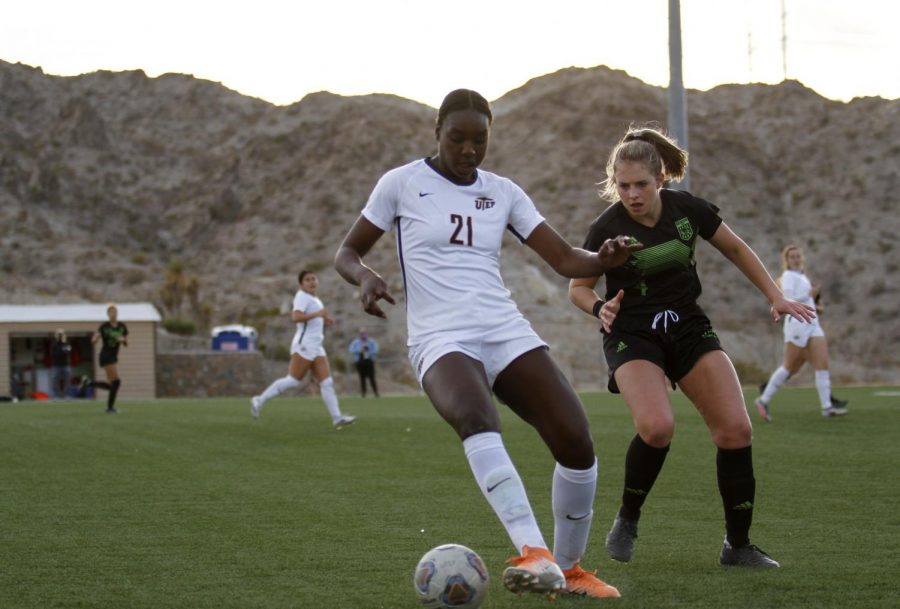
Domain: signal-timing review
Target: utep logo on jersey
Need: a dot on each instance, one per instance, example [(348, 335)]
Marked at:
[(684, 229), (484, 203)]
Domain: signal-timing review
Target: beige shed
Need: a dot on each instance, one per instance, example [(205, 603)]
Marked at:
[(27, 331)]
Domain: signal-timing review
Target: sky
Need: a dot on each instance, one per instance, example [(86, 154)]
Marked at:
[(280, 51)]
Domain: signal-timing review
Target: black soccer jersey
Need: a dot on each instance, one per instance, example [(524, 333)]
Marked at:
[(109, 337), (663, 275)]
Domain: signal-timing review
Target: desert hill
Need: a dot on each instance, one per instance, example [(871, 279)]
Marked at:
[(112, 182)]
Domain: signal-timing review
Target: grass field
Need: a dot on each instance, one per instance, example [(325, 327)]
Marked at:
[(190, 503)]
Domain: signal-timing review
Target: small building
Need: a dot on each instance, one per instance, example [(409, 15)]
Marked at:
[(27, 331)]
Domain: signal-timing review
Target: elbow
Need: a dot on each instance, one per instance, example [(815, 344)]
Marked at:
[(338, 261)]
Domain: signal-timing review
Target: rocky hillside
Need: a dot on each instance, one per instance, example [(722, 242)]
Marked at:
[(116, 186)]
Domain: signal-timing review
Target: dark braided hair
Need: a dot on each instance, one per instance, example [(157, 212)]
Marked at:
[(464, 99)]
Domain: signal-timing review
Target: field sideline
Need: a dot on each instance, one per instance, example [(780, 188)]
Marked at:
[(191, 503)]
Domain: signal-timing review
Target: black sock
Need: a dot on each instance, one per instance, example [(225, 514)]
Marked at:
[(100, 385), (642, 465), (111, 400), (734, 469)]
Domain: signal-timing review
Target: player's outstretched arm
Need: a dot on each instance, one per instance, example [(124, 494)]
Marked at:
[(349, 265), (575, 262), (739, 253)]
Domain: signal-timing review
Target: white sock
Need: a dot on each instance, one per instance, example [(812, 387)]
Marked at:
[(326, 390), (502, 487), (778, 378), (573, 501), (823, 386), (278, 387)]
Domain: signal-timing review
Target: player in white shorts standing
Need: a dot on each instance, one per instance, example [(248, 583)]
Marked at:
[(802, 341), (468, 341), (307, 352)]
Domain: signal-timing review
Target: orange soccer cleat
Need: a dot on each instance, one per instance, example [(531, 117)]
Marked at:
[(586, 583), (534, 571)]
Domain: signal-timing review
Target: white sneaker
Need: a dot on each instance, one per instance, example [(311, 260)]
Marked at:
[(255, 405), (834, 411), (763, 410), (343, 421)]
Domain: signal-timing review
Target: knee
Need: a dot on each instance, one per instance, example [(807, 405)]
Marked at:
[(472, 423), (577, 454), (657, 431), (735, 434), (571, 445)]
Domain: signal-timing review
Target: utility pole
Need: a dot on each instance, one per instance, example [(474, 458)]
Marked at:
[(678, 125), (784, 39), (749, 56)]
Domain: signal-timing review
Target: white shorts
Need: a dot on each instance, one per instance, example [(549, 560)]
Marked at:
[(309, 352), (799, 332), (495, 350)]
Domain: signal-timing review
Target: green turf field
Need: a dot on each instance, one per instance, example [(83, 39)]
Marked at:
[(191, 503)]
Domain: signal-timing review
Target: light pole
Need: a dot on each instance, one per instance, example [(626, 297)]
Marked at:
[(678, 123)]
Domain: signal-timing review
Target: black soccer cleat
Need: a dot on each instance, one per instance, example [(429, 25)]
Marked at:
[(746, 556), (836, 403), (621, 539)]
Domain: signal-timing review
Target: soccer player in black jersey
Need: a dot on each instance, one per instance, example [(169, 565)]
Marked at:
[(653, 328), (112, 334)]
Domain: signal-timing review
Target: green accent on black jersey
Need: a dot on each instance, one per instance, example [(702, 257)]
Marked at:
[(671, 254)]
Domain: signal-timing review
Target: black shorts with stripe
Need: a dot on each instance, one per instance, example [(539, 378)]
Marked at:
[(672, 339)]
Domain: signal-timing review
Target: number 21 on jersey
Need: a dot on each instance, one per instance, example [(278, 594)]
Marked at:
[(459, 222)]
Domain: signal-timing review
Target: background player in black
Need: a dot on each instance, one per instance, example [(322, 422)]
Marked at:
[(112, 334), (654, 328)]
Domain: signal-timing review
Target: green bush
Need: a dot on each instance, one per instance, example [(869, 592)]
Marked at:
[(183, 327), (279, 353)]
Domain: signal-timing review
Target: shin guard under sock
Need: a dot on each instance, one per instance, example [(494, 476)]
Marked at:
[(737, 485), (642, 465)]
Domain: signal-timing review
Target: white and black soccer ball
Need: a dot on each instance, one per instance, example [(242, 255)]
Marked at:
[(451, 576)]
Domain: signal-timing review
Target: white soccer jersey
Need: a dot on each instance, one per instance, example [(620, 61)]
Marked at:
[(448, 241), (796, 286), (311, 332)]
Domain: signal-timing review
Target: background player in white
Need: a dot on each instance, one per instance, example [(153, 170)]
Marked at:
[(802, 341), (468, 342), (307, 352)]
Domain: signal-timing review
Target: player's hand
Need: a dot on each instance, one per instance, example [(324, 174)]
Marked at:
[(610, 310), (615, 252), (799, 311), (329, 321), (372, 289)]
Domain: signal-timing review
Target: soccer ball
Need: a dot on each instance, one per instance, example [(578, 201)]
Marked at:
[(451, 576)]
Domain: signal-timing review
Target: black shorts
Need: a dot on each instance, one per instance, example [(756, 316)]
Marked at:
[(673, 340), (107, 358)]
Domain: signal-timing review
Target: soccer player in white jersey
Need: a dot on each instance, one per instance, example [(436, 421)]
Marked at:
[(802, 341), (468, 341), (307, 352)]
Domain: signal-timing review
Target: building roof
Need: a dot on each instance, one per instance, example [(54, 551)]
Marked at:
[(135, 311)]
